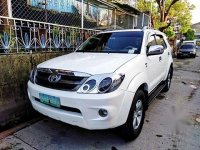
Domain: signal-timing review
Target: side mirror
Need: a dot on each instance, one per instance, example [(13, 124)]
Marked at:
[(155, 50)]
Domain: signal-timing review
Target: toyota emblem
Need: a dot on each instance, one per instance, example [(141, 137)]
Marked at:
[(54, 78)]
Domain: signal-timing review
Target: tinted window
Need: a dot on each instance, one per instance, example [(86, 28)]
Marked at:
[(116, 42), (187, 46)]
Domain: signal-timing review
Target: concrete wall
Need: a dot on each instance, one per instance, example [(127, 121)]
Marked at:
[(14, 74)]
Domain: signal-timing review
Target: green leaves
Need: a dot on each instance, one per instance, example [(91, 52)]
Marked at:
[(189, 34), (178, 11), (170, 32)]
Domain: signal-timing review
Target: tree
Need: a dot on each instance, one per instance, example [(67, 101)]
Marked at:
[(166, 12), (164, 9), (169, 32), (189, 34)]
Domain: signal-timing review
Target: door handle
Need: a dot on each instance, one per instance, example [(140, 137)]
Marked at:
[(160, 58)]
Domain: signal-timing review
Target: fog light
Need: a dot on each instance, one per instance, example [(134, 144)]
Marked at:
[(103, 112)]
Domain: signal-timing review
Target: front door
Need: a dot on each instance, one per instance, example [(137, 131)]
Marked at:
[(154, 65), (164, 57)]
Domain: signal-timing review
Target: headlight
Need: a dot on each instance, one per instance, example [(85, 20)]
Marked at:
[(32, 75), (88, 86), (103, 83)]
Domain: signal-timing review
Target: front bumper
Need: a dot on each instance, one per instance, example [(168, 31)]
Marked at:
[(186, 53), (117, 104)]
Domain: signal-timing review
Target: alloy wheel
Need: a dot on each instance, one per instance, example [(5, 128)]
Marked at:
[(137, 117)]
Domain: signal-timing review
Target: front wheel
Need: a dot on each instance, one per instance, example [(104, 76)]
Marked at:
[(194, 55), (178, 56), (133, 126)]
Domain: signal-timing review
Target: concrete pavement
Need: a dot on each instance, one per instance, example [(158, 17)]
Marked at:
[(172, 122)]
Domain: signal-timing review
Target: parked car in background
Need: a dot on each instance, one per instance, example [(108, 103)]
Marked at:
[(187, 50), (108, 82)]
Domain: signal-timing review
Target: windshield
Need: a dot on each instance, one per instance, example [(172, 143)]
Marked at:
[(187, 46), (115, 42)]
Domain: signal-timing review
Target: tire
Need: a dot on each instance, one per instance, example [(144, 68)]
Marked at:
[(193, 56), (178, 56), (168, 81), (133, 126)]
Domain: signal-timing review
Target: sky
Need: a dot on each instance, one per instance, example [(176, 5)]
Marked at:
[(196, 11)]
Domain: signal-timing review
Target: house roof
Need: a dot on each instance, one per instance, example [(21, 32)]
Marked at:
[(196, 27), (115, 5), (128, 8), (196, 24)]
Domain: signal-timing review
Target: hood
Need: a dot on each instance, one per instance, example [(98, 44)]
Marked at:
[(91, 63)]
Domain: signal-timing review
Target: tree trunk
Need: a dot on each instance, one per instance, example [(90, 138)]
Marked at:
[(164, 12), (165, 27)]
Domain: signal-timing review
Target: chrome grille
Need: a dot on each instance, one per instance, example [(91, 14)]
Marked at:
[(185, 52), (68, 81)]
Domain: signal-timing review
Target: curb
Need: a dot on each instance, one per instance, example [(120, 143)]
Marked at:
[(11, 131)]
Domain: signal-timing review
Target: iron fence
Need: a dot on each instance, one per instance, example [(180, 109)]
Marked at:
[(54, 25), (3, 8), (19, 35), (63, 12), (68, 12)]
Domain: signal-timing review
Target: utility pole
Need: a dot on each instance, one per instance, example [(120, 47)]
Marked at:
[(44, 3), (151, 9), (46, 17), (9, 8), (82, 15)]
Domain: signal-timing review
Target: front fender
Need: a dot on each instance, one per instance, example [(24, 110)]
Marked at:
[(137, 81)]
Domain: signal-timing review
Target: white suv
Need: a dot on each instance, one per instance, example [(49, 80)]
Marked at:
[(107, 82)]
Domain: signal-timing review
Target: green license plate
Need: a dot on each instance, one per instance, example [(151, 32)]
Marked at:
[(49, 100)]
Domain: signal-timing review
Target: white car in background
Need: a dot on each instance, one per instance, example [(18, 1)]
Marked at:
[(197, 43), (107, 82)]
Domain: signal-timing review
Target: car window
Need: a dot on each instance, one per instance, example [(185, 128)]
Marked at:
[(114, 42), (151, 41), (160, 41)]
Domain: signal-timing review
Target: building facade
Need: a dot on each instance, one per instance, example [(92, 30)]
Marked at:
[(69, 12)]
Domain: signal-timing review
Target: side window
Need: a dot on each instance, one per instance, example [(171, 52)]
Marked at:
[(151, 41), (160, 41)]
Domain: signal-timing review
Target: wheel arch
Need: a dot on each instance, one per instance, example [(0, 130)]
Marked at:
[(144, 88), (139, 82), (128, 102), (170, 66)]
